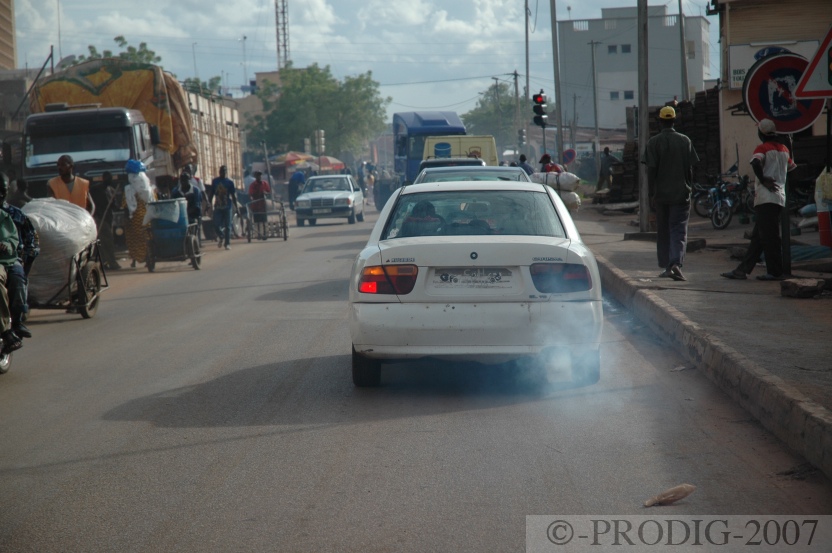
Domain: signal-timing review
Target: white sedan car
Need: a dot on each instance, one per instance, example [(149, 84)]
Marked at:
[(330, 197), (476, 271)]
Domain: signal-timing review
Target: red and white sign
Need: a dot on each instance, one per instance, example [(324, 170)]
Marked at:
[(768, 92), (816, 81)]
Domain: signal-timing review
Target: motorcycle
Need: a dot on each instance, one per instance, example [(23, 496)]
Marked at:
[(726, 198)]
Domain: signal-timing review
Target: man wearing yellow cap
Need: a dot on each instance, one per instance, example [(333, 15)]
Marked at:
[(670, 158)]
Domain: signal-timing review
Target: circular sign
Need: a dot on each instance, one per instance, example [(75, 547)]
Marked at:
[(569, 156), (768, 92)]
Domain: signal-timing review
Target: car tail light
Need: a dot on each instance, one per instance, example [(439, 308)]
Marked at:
[(388, 279), (558, 278)]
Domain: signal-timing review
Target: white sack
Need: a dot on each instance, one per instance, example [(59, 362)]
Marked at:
[(567, 181), (571, 199), (64, 230)]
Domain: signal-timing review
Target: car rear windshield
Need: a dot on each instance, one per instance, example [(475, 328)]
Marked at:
[(472, 174), (326, 184), (475, 212)]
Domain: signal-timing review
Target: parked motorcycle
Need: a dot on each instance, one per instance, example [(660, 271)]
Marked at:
[(728, 197)]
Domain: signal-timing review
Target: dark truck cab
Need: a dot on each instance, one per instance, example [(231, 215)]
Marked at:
[(98, 139)]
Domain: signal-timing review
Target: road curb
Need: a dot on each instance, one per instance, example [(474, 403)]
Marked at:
[(805, 426)]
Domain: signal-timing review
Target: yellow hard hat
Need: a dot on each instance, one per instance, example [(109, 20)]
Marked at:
[(667, 112)]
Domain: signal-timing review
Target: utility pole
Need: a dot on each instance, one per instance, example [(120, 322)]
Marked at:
[(595, 110), (528, 92), (684, 64), (516, 105), (574, 117), (556, 60), (643, 118)]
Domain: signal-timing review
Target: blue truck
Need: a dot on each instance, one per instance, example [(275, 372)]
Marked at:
[(410, 129)]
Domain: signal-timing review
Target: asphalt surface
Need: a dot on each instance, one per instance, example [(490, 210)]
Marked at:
[(772, 354)]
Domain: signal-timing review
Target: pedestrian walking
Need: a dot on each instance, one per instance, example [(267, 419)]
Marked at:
[(225, 198), (670, 157), (771, 161), (524, 164), (67, 186), (103, 194), (605, 171), (296, 182), (137, 194), (257, 191)]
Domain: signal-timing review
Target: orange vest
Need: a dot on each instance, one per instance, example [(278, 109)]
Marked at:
[(78, 196)]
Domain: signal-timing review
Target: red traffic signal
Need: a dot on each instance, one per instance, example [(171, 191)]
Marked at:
[(539, 108)]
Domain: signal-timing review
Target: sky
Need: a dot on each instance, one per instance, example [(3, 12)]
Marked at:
[(426, 54)]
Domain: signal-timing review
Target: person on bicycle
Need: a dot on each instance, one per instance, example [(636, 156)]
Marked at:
[(771, 161), (257, 192)]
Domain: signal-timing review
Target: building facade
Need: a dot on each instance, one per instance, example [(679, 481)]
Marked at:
[(746, 29), (615, 39), (8, 50)]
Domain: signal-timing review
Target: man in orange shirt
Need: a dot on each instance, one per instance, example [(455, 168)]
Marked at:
[(66, 186)]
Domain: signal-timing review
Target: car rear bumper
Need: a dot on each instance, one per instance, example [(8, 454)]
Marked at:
[(490, 332), (333, 212)]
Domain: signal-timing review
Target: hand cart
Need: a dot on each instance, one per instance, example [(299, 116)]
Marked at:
[(171, 237), (85, 282), (266, 218)]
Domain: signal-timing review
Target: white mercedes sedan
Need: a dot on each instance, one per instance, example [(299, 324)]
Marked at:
[(490, 272)]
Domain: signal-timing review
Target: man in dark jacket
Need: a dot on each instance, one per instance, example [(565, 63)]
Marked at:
[(670, 158)]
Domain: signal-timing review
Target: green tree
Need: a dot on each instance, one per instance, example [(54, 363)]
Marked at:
[(207, 89), (495, 115), (350, 112), (141, 54)]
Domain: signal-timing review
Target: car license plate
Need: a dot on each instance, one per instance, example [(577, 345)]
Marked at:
[(476, 277), (321, 211)]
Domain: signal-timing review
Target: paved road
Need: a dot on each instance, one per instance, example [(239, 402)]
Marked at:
[(214, 411)]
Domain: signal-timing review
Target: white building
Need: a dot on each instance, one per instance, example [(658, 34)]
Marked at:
[(616, 62)]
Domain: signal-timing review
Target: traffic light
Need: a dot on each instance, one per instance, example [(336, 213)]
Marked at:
[(307, 146), (521, 137), (320, 142), (540, 109)]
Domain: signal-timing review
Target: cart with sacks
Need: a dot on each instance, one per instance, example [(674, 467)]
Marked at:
[(170, 236), (68, 273)]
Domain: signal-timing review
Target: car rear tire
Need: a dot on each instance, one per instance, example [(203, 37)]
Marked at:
[(586, 368), (360, 216), (313, 222), (366, 372), (300, 222), (351, 218)]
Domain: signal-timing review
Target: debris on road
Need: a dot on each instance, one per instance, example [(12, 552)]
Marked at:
[(671, 496)]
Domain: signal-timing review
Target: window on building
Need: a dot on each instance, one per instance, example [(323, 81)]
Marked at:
[(612, 49), (625, 49), (580, 25), (614, 95), (691, 48), (610, 24), (628, 95)]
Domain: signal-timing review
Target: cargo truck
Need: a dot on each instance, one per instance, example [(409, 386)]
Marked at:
[(410, 129), (106, 111)]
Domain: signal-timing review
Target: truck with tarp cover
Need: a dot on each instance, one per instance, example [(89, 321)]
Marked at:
[(105, 111)]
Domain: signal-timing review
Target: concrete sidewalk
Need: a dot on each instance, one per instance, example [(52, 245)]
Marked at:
[(771, 354)]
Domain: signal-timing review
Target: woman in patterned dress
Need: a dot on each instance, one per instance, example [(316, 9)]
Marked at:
[(136, 196)]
